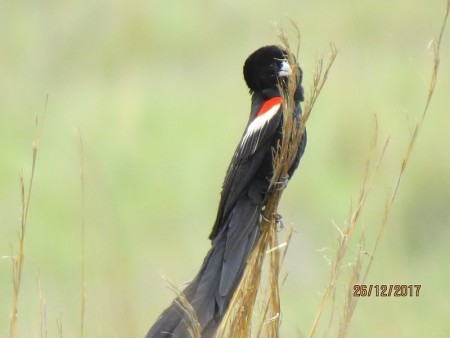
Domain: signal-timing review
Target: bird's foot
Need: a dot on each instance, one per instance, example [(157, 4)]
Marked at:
[(279, 222), (282, 183)]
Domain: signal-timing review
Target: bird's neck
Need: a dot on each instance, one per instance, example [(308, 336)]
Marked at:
[(258, 98)]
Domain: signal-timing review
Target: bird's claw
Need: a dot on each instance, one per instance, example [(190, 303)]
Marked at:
[(282, 183), (279, 222)]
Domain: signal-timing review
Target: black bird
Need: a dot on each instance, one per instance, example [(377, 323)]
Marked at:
[(247, 181)]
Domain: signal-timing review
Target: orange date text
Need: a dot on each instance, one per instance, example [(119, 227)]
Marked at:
[(385, 290)]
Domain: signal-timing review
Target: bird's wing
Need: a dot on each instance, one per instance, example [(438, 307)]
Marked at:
[(247, 159)]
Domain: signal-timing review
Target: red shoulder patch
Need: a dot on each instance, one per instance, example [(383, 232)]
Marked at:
[(269, 104)]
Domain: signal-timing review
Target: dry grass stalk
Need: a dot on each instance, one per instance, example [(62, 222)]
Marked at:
[(83, 222), (42, 308), (434, 74), (194, 328), (390, 199), (238, 319), (350, 301), (18, 258), (60, 327), (357, 277), (347, 232), (276, 262)]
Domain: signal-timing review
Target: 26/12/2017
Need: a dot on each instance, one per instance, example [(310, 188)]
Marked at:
[(384, 290)]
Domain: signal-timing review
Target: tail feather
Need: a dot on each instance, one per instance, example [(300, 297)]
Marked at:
[(211, 291), (242, 228)]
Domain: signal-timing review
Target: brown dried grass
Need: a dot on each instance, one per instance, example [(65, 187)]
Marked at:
[(361, 268)]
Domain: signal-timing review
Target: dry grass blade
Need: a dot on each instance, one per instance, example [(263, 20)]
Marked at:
[(192, 324), (42, 308), (83, 221), (350, 301), (60, 327), (238, 319), (18, 258), (346, 234), (276, 262), (434, 75)]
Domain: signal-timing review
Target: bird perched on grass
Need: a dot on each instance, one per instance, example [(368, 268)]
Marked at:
[(236, 229)]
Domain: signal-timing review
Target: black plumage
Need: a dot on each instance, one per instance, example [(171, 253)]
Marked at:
[(247, 181)]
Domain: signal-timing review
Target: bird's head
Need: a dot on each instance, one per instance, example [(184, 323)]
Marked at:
[(267, 67)]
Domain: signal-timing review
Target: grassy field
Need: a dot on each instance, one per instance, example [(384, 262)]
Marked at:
[(156, 91)]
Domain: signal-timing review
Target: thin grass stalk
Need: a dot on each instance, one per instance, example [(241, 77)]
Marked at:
[(279, 261), (42, 309), (60, 327), (346, 234), (82, 239), (18, 258), (351, 302), (434, 75), (192, 324)]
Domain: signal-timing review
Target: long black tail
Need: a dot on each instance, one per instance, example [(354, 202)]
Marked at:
[(211, 290)]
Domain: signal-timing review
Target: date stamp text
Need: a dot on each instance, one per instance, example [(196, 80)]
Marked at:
[(384, 290)]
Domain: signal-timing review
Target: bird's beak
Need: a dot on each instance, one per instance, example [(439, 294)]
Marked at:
[(285, 69)]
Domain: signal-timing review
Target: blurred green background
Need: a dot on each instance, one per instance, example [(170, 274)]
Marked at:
[(156, 90)]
